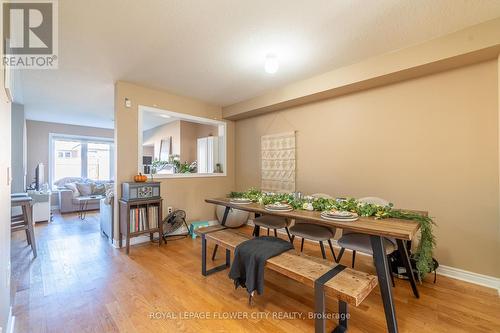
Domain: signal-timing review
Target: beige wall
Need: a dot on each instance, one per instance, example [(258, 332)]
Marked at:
[(190, 132), (467, 46), (5, 139), (38, 141), (184, 138), (184, 193), (18, 148), (154, 136), (429, 143)]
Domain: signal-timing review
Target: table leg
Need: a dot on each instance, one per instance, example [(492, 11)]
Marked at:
[(223, 223), (82, 213), (406, 260), (384, 282), (29, 222)]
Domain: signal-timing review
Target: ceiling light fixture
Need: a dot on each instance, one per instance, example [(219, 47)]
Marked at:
[(164, 116), (271, 64)]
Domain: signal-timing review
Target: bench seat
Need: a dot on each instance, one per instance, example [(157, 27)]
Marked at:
[(209, 229), (349, 285)]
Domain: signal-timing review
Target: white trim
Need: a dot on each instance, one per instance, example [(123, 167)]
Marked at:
[(11, 321), (467, 276), (84, 139), (134, 241), (182, 116), (145, 238), (185, 175), (451, 272)]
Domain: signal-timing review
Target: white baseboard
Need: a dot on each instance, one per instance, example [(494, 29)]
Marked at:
[(134, 241), (11, 321), (145, 238), (452, 272), (476, 278)]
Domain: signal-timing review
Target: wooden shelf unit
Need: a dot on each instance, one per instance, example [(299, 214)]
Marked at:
[(124, 217)]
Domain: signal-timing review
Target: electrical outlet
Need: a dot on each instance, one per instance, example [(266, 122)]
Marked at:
[(170, 210)]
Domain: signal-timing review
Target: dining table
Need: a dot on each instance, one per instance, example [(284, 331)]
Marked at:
[(399, 229)]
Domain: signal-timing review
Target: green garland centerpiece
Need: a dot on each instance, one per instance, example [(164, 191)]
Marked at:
[(423, 255)]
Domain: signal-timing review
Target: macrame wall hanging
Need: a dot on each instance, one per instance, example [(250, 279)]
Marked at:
[(278, 162)]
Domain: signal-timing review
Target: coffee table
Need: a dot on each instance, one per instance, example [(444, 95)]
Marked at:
[(83, 202)]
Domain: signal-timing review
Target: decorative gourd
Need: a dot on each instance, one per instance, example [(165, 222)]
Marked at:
[(140, 178)]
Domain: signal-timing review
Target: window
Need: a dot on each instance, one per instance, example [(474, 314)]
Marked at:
[(179, 145), (66, 164), (78, 156), (99, 161)]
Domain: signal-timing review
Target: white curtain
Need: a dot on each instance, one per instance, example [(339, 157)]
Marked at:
[(278, 162)]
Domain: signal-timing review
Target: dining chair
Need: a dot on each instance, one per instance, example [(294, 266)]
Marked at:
[(24, 221), (271, 222), (357, 242), (314, 232)]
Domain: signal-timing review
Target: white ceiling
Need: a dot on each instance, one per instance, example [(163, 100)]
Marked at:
[(214, 50), (153, 119)]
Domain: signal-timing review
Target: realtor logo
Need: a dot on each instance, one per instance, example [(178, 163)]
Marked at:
[(29, 33)]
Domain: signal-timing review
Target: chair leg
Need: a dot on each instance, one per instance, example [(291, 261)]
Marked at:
[(215, 252), (31, 230), (331, 248), (353, 258), (275, 233), (392, 279), (26, 224), (322, 250), (341, 253), (28, 237), (302, 245), (289, 236)]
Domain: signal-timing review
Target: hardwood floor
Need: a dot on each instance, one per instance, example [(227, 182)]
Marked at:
[(79, 283)]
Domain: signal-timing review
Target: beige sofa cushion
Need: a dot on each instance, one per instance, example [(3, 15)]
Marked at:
[(85, 189), (72, 187)]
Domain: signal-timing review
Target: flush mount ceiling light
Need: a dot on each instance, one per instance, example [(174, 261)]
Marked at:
[(271, 64), (164, 116)]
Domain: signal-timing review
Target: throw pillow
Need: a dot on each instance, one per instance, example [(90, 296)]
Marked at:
[(99, 189), (73, 188), (85, 189), (109, 196), (66, 180)]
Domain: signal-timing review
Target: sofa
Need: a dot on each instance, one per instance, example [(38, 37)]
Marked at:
[(106, 216), (71, 188)]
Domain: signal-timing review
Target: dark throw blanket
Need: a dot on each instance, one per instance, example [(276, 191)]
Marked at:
[(247, 269)]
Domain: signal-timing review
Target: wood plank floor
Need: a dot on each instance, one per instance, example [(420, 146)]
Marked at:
[(79, 283)]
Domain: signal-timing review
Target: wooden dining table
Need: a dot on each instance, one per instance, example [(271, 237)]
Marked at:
[(401, 230)]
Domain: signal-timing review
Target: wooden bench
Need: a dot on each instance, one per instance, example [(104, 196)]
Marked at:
[(328, 279)]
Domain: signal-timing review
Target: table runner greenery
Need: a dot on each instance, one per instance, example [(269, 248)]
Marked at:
[(423, 255)]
